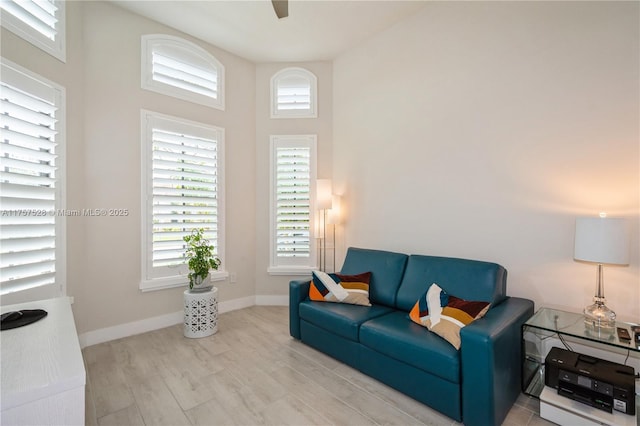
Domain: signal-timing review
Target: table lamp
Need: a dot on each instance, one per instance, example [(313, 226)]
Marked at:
[(603, 241)]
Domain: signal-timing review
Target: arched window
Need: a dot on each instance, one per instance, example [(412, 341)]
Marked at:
[(294, 94), (176, 67)]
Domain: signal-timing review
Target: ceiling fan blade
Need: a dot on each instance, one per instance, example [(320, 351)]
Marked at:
[(281, 7)]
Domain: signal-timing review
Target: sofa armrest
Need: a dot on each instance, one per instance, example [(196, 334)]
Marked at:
[(491, 362), (298, 291)]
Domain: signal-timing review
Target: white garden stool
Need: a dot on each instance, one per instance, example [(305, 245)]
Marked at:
[(200, 313)]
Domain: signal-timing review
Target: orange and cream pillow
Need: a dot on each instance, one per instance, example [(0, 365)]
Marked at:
[(352, 289), (445, 314)]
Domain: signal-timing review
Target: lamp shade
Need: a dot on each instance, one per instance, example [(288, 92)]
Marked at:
[(323, 194), (334, 216), (602, 240)]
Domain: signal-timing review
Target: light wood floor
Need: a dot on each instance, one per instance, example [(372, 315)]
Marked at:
[(249, 373)]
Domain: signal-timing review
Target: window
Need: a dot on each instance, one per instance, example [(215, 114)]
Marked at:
[(40, 22), (178, 68), (183, 189), (293, 94), (32, 237), (293, 170)]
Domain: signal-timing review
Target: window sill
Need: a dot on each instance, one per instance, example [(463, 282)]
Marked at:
[(294, 115), (174, 282), (291, 270)]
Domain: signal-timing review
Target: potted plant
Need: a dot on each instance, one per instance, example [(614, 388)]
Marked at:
[(200, 260)]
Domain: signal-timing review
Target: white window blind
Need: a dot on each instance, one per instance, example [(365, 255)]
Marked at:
[(293, 193), (178, 68), (30, 181), (293, 171), (293, 94), (168, 70), (40, 22), (184, 191)]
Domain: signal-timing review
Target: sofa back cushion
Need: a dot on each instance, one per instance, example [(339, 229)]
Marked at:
[(467, 279), (387, 269)]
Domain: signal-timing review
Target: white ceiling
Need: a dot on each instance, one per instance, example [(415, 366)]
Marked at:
[(314, 30)]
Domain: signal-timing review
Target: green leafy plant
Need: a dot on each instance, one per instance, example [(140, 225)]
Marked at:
[(200, 256)]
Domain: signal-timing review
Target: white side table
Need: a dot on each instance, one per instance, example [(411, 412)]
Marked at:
[(200, 313), (43, 375)]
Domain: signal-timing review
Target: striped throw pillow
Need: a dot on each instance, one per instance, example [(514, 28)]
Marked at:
[(445, 314), (352, 289)]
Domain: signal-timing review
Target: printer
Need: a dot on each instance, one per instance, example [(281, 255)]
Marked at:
[(596, 382)]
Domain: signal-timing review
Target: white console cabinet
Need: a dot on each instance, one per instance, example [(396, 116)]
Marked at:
[(565, 411), (43, 375)]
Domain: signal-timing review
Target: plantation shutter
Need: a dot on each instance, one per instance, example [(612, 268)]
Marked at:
[(183, 75), (39, 15), (28, 181), (294, 93), (185, 191), (40, 22), (293, 186), (176, 67)]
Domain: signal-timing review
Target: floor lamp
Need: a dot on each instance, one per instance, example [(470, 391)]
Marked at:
[(323, 204), (334, 217)]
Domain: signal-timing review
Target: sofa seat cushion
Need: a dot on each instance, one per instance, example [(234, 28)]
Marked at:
[(396, 336), (341, 319)]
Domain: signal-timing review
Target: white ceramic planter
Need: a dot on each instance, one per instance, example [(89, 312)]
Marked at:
[(202, 284)]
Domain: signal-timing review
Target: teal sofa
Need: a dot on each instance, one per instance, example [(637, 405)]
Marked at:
[(477, 384)]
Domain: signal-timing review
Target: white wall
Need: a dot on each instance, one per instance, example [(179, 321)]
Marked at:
[(476, 130), (278, 285), (482, 129), (102, 77)]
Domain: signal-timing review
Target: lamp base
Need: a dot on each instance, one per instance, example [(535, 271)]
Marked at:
[(599, 317)]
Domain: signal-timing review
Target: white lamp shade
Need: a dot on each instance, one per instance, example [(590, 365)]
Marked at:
[(602, 240), (334, 216), (323, 194)]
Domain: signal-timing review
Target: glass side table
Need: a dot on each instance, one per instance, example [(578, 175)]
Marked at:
[(538, 335)]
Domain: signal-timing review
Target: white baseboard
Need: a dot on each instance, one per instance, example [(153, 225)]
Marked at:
[(107, 334), (282, 300), (235, 304)]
